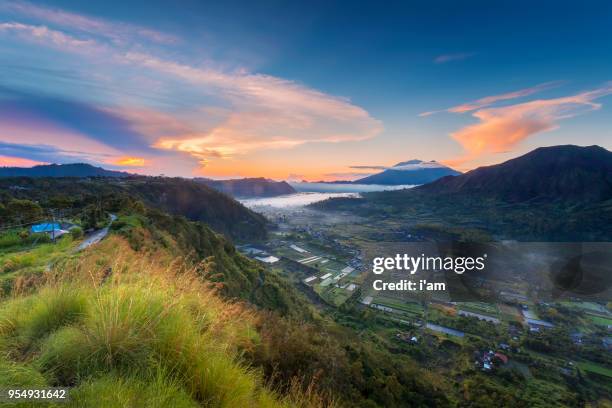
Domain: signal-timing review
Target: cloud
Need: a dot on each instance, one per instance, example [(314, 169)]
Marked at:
[(347, 175), (294, 177), (199, 110), (369, 167), (501, 129), (490, 100), (8, 161), (117, 32), (45, 34), (443, 59), (41, 153), (129, 161), (265, 113)]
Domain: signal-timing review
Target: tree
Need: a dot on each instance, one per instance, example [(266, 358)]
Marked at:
[(23, 211)]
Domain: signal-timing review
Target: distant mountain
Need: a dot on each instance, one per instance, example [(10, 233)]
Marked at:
[(60, 170), (409, 172), (560, 193), (249, 187), (565, 172)]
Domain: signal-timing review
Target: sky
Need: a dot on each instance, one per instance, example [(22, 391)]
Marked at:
[(317, 90)]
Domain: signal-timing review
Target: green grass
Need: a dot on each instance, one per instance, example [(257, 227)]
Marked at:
[(37, 255), (595, 368), (119, 392), (601, 321), (478, 307), (131, 344), (410, 308)]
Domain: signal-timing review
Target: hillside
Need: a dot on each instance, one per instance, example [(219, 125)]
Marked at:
[(60, 170), (199, 202), (569, 173), (126, 328), (164, 312), (249, 187), (174, 195), (409, 173)]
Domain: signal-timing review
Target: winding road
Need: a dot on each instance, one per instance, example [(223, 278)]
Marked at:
[(96, 236)]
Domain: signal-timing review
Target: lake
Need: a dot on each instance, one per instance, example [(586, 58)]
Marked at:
[(309, 193), (344, 188), (292, 200)]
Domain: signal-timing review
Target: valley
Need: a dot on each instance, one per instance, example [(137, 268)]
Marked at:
[(321, 249), (284, 284)]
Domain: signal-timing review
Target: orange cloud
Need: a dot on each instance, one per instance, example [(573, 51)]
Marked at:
[(500, 129), (265, 112), (129, 161)]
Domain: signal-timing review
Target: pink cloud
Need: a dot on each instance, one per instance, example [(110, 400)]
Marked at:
[(118, 32), (265, 112), (490, 100), (249, 112), (7, 161), (45, 34)]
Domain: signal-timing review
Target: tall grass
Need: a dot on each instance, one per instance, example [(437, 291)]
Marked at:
[(131, 331)]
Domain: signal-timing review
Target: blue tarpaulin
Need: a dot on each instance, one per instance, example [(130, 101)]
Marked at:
[(45, 227)]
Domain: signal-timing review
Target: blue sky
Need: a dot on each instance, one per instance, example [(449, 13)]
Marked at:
[(299, 89)]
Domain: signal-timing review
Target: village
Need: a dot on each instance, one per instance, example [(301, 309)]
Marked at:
[(509, 332)]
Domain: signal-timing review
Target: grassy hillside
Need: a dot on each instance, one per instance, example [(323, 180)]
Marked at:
[(173, 195), (129, 330), (152, 311), (232, 274)]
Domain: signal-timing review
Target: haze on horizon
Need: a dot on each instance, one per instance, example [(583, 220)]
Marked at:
[(303, 90)]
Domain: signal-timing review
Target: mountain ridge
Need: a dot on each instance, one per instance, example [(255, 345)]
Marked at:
[(61, 170), (249, 187), (557, 172)]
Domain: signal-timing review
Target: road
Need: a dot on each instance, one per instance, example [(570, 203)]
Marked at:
[(96, 236)]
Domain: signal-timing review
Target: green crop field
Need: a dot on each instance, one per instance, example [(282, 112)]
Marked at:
[(595, 368), (600, 320)]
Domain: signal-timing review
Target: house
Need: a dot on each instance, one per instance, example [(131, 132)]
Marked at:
[(367, 300), (535, 324), (309, 279), (576, 338), (488, 360), (52, 229), (267, 259), (502, 357)]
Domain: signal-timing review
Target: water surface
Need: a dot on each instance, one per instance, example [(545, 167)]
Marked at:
[(292, 200), (344, 188)]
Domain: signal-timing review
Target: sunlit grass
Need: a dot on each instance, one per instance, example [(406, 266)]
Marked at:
[(130, 331)]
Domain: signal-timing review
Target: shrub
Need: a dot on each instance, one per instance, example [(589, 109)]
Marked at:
[(76, 232), (10, 239), (52, 309), (19, 375), (116, 392)]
